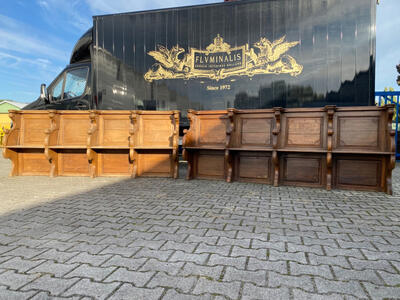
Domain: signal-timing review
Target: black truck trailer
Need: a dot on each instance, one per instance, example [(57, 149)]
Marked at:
[(245, 54)]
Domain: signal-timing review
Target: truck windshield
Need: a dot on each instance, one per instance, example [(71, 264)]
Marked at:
[(75, 83), (70, 84)]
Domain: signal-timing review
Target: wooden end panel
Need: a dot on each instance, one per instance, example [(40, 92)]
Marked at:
[(114, 131), (256, 132), (253, 167), (212, 131), (302, 169), (114, 163), (73, 163), (304, 132), (74, 131), (154, 163), (356, 172), (33, 162), (358, 132), (210, 165), (156, 132), (33, 128)]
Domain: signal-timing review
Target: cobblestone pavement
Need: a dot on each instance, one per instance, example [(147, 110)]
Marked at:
[(113, 238)]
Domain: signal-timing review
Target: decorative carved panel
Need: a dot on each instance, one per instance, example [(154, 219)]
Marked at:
[(304, 131)]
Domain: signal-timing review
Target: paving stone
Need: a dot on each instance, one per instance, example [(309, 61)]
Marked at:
[(55, 286), (58, 245), (182, 284), (328, 260), (218, 260), (301, 281), (389, 278), (89, 248), (382, 292), (228, 289), (229, 226), (210, 240), (321, 270), (19, 264), (155, 245), (323, 242), (25, 252), (53, 268), (86, 258), (375, 255), (255, 264), (138, 279), (189, 257), (94, 273), (316, 249), (221, 250), (162, 255), (352, 288), (170, 237), (299, 294), (365, 275), (383, 265), (218, 233), (126, 291), (174, 295), (297, 257), (86, 287), (356, 253), (224, 241), (15, 280), (171, 268), (257, 244), (6, 294), (129, 263), (58, 256), (5, 249), (191, 269), (250, 291), (256, 277)]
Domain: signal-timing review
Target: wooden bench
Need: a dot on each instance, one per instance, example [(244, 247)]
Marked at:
[(204, 145), (134, 143), (23, 143), (66, 143), (331, 147), (93, 143)]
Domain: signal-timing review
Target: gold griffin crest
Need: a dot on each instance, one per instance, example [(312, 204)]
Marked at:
[(220, 61)]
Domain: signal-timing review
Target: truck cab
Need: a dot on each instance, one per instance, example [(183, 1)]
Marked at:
[(71, 89)]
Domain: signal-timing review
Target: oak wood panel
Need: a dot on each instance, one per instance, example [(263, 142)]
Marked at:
[(358, 132), (73, 163), (210, 165), (211, 131), (33, 129), (114, 130), (156, 132), (359, 172), (154, 163), (114, 163), (33, 162), (73, 130), (302, 130), (302, 169), (253, 167)]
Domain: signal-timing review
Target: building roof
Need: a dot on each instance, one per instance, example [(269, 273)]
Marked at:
[(14, 103)]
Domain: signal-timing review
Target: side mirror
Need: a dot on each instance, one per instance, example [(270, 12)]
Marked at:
[(43, 93)]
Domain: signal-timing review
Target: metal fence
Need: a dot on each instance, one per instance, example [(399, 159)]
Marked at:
[(383, 98)]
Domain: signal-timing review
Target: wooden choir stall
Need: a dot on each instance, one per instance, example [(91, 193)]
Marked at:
[(93, 143), (331, 147)]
